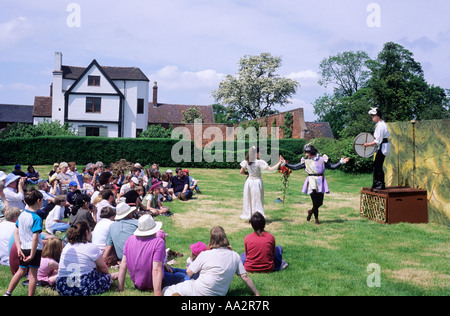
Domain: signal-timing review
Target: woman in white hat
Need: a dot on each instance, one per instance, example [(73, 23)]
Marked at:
[(143, 257), (3, 203), (14, 191), (381, 141)]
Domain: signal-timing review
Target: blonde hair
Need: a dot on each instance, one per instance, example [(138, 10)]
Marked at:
[(97, 199), (59, 199), (53, 249), (12, 213), (218, 238)]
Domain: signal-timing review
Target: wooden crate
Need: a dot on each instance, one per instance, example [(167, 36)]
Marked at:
[(395, 205)]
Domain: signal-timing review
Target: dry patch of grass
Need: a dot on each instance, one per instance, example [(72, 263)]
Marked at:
[(420, 277)]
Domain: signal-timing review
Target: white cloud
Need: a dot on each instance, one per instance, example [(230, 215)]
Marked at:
[(303, 75), (171, 78), (13, 31)]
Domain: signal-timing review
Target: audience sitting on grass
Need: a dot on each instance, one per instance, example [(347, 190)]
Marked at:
[(49, 266), (261, 253), (55, 219), (217, 268), (18, 171), (80, 211), (44, 188), (55, 185), (153, 203), (108, 199), (32, 175), (88, 209), (123, 227), (14, 191), (87, 186), (107, 216), (180, 185), (91, 275)]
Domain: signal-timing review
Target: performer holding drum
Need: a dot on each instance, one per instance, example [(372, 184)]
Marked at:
[(383, 148)]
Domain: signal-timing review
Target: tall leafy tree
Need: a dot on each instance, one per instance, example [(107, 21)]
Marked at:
[(256, 88), (397, 82), (347, 71), (394, 82)]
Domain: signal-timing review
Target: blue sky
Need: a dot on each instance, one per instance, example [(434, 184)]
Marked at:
[(188, 46)]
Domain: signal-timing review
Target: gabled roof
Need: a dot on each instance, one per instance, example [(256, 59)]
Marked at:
[(94, 63), (114, 73), (173, 113), (42, 107), (13, 113), (319, 129)]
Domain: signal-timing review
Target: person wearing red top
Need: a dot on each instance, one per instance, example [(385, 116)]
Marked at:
[(261, 254)]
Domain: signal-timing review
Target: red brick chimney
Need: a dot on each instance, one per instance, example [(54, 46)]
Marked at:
[(155, 94)]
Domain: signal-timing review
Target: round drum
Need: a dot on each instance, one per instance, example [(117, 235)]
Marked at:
[(362, 151)]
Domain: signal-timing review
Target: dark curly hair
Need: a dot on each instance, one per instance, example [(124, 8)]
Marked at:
[(77, 233)]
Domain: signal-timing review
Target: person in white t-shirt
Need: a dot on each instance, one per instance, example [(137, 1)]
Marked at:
[(6, 231), (54, 221), (381, 141), (82, 269), (101, 230), (216, 268)]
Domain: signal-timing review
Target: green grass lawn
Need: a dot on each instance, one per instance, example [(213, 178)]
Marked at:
[(330, 259)]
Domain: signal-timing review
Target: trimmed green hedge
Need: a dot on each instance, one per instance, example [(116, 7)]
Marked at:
[(48, 150)]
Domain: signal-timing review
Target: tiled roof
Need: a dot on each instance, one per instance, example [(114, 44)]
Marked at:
[(319, 129), (42, 107), (13, 113), (173, 113), (114, 73)]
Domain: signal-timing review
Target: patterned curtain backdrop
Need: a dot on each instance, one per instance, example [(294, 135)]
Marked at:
[(420, 159)]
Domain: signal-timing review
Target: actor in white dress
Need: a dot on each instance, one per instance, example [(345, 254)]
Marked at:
[(254, 187)]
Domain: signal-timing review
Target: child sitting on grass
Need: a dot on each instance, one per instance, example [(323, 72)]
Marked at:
[(48, 270), (196, 249), (54, 221)]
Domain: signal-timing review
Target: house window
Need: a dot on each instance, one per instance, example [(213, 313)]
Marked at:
[(93, 131), (93, 105), (94, 81), (140, 106)]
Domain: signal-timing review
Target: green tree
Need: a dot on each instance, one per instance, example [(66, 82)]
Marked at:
[(397, 82), (347, 71), (223, 114), (157, 131), (44, 128), (191, 114), (256, 88), (288, 125)]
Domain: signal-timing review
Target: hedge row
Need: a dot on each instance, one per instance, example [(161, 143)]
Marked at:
[(47, 150)]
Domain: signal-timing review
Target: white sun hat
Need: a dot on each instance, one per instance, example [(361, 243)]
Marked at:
[(147, 226), (122, 210)]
